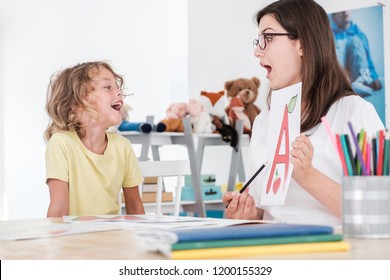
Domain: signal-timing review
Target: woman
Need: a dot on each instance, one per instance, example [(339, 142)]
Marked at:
[(295, 44)]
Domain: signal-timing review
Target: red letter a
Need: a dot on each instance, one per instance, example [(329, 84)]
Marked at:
[(278, 157)]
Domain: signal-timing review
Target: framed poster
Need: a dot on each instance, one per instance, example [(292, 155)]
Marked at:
[(359, 45)]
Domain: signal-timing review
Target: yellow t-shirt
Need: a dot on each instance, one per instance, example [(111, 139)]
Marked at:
[(94, 180)]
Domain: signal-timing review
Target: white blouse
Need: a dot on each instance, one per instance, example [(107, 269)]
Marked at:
[(300, 206)]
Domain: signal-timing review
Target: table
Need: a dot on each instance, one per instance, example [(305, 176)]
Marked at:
[(109, 245), (121, 245)]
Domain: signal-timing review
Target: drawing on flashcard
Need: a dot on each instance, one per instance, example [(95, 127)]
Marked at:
[(284, 127)]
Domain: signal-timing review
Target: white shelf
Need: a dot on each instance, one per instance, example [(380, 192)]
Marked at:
[(155, 140)]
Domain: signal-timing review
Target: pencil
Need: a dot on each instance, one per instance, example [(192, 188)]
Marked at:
[(349, 150), (332, 136), (335, 138), (374, 155), (253, 177), (343, 161), (358, 151), (381, 138), (250, 180)]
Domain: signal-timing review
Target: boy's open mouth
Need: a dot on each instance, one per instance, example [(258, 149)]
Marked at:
[(117, 105)]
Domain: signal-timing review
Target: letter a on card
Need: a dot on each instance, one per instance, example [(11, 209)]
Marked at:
[(283, 128)]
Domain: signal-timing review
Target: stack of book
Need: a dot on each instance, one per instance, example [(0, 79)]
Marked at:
[(149, 191), (255, 239)]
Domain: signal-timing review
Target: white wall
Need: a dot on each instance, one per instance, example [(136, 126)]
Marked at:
[(146, 40), (220, 48), (1, 123)]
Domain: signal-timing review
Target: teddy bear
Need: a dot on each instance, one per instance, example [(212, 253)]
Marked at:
[(247, 90), (236, 112), (143, 127)]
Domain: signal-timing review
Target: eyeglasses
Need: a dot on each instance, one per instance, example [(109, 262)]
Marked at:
[(263, 38)]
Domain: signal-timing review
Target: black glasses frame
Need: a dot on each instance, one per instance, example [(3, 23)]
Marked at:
[(262, 38)]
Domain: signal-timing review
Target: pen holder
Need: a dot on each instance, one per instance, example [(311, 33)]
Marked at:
[(366, 206)]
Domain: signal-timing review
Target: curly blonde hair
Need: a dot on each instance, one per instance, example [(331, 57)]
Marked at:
[(67, 96)]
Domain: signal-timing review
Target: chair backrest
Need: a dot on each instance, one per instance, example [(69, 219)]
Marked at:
[(166, 168)]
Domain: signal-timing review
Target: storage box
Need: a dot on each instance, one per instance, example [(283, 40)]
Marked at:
[(205, 180), (149, 187), (208, 193), (151, 197), (150, 180)]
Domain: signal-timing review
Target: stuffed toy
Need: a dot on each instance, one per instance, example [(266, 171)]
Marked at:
[(192, 109), (143, 127), (173, 125), (174, 115), (236, 112), (214, 103), (202, 123), (176, 110), (248, 90)]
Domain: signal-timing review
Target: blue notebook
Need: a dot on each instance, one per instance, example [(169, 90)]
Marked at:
[(250, 231)]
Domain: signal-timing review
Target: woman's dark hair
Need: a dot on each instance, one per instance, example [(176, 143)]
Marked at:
[(323, 79)]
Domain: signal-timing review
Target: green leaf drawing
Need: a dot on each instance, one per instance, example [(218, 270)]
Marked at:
[(292, 103)]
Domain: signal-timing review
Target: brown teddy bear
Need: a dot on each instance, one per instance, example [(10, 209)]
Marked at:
[(247, 90)]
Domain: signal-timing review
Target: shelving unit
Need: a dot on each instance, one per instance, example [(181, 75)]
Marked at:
[(154, 140)]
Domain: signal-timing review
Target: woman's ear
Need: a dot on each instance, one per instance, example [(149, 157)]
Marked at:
[(300, 50)]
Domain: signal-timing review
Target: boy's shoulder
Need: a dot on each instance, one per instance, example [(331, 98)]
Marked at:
[(63, 136), (117, 138)]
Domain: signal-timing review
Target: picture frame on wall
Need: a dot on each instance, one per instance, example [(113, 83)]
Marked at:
[(359, 45)]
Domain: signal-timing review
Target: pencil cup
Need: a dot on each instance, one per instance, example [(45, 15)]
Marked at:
[(366, 206)]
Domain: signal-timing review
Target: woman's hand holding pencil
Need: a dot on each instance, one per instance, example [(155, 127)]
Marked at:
[(241, 205)]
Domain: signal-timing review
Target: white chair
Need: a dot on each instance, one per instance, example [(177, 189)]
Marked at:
[(166, 168)]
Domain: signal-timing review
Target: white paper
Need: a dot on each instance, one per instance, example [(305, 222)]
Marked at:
[(284, 127), (157, 222)]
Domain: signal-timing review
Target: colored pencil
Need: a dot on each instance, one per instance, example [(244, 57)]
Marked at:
[(368, 157), (374, 155), (350, 154), (333, 137), (381, 137), (340, 148), (358, 152)]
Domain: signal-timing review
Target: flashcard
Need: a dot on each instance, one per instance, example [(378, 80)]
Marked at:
[(283, 128)]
